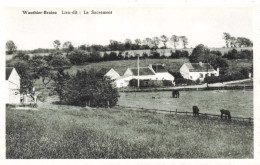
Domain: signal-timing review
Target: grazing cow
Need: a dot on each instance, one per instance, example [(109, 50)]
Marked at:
[(175, 94), (225, 113), (195, 111)]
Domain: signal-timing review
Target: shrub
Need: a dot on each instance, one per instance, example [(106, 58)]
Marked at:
[(146, 83), (167, 83), (78, 57)]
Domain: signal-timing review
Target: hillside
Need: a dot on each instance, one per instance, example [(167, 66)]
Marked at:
[(122, 65)]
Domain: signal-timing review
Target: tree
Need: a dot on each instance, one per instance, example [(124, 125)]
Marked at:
[(156, 41), (58, 62), (148, 41), (56, 44), (232, 41), (184, 41), (113, 45), (78, 57), (67, 47), (175, 40), (128, 44), (164, 39), (90, 88), (226, 37), (40, 69), (21, 56), (244, 42), (10, 47), (82, 47), (138, 41), (199, 53)]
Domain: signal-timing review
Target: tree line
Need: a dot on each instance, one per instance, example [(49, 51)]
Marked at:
[(232, 41)]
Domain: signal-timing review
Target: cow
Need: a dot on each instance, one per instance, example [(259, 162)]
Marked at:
[(225, 113), (175, 94), (195, 111)]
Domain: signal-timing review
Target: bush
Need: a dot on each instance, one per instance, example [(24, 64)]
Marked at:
[(167, 83), (146, 83), (78, 57), (90, 88)]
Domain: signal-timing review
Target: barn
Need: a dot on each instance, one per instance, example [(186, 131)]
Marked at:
[(13, 82)]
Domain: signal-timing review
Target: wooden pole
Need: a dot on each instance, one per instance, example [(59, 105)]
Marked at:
[(138, 82)]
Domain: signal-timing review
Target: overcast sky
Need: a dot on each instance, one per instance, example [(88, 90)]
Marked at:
[(200, 25)]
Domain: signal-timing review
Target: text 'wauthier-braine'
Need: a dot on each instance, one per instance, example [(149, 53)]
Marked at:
[(67, 12)]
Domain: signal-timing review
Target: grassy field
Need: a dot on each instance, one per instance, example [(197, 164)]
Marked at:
[(57, 131), (238, 102)]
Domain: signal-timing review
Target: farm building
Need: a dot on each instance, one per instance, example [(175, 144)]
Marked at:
[(152, 72), (195, 71), (112, 74), (13, 81), (160, 72)]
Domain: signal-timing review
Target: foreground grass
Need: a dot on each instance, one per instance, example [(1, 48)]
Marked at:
[(74, 132)]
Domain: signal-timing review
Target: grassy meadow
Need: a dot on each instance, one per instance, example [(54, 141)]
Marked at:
[(58, 131)]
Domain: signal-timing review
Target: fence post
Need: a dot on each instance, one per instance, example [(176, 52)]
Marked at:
[(249, 119), (176, 112)]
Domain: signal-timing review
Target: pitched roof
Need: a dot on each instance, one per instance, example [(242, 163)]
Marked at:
[(142, 71), (199, 67), (158, 68), (8, 72)]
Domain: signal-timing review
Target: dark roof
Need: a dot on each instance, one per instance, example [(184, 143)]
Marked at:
[(8, 72), (199, 67), (158, 68), (142, 71)]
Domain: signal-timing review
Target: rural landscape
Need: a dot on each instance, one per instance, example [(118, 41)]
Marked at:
[(150, 97)]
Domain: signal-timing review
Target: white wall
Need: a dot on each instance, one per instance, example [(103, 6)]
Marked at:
[(112, 74), (14, 88), (184, 70)]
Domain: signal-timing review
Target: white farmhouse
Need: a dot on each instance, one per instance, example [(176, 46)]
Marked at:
[(145, 73), (13, 81), (195, 71), (152, 72)]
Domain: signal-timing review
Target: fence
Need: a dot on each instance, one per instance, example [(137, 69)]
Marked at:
[(186, 113)]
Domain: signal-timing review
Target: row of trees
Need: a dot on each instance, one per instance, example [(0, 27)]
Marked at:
[(232, 41), (33, 68)]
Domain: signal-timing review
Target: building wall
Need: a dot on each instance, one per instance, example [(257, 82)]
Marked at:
[(128, 72), (164, 76), (112, 74), (123, 82), (201, 75), (14, 88), (184, 70)]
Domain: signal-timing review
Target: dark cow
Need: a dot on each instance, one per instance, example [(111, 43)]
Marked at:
[(225, 113), (195, 111), (175, 94)]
